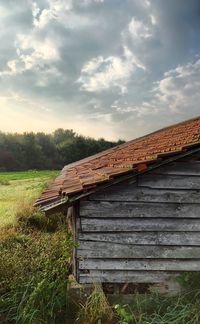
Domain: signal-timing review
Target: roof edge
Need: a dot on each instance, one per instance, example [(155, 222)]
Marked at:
[(121, 178)]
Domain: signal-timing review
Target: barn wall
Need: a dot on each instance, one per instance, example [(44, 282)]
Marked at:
[(146, 231)]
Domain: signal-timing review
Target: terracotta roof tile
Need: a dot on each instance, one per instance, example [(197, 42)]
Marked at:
[(128, 157)]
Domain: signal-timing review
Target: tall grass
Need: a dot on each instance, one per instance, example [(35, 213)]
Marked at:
[(35, 258), (156, 309), (95, 309), (34, 267)]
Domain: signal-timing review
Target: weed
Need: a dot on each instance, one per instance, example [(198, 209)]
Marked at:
[(96, 309)]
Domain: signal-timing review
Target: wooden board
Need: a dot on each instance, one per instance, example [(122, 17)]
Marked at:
[(148, 265), (145, 238), (137, 209), (138, 224), (169, 181), (105, 250), (126, 276), (133, 193), (180, 168), (142, 232)]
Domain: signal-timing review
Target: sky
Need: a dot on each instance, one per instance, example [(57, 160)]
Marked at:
[(104, 68)]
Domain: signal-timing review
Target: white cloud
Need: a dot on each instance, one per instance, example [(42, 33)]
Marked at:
[(177, 93), (103, 73), (37, 52), (32, 53), (138, 29), (60, 11), (56, 11), (44, 49), (35, 9), (179, 89)]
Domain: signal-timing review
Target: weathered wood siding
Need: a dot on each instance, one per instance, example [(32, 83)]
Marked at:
[(144, 231)]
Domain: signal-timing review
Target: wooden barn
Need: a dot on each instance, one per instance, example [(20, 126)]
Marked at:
[(134, 209)]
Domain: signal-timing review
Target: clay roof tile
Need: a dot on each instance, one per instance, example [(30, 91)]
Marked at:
[(128, 157)]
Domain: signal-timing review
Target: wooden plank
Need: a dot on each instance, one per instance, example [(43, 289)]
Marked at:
[(169, 181), (148, 265), (107, 250), (180, 168), (145, 238), (132, 193), (126, 276), (138, 209), (138, 224)]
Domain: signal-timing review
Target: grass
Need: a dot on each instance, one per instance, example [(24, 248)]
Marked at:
[(35, 256), (95, 309), (16, 187), (157, 309), (35, 253)]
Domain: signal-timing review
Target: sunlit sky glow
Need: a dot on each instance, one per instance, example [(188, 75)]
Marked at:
[(105, 68)]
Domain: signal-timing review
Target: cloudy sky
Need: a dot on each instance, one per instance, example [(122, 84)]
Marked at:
[(106, 68)]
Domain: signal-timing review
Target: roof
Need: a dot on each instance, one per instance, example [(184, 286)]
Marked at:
[(132, 157)]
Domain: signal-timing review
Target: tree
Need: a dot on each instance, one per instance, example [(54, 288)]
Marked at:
[(47, 151)]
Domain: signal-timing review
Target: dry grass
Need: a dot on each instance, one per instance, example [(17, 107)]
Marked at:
[(96, 309)]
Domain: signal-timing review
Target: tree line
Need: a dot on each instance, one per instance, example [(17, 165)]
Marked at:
[(29, 151)]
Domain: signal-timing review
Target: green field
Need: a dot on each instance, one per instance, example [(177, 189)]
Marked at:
[(17, 188)]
